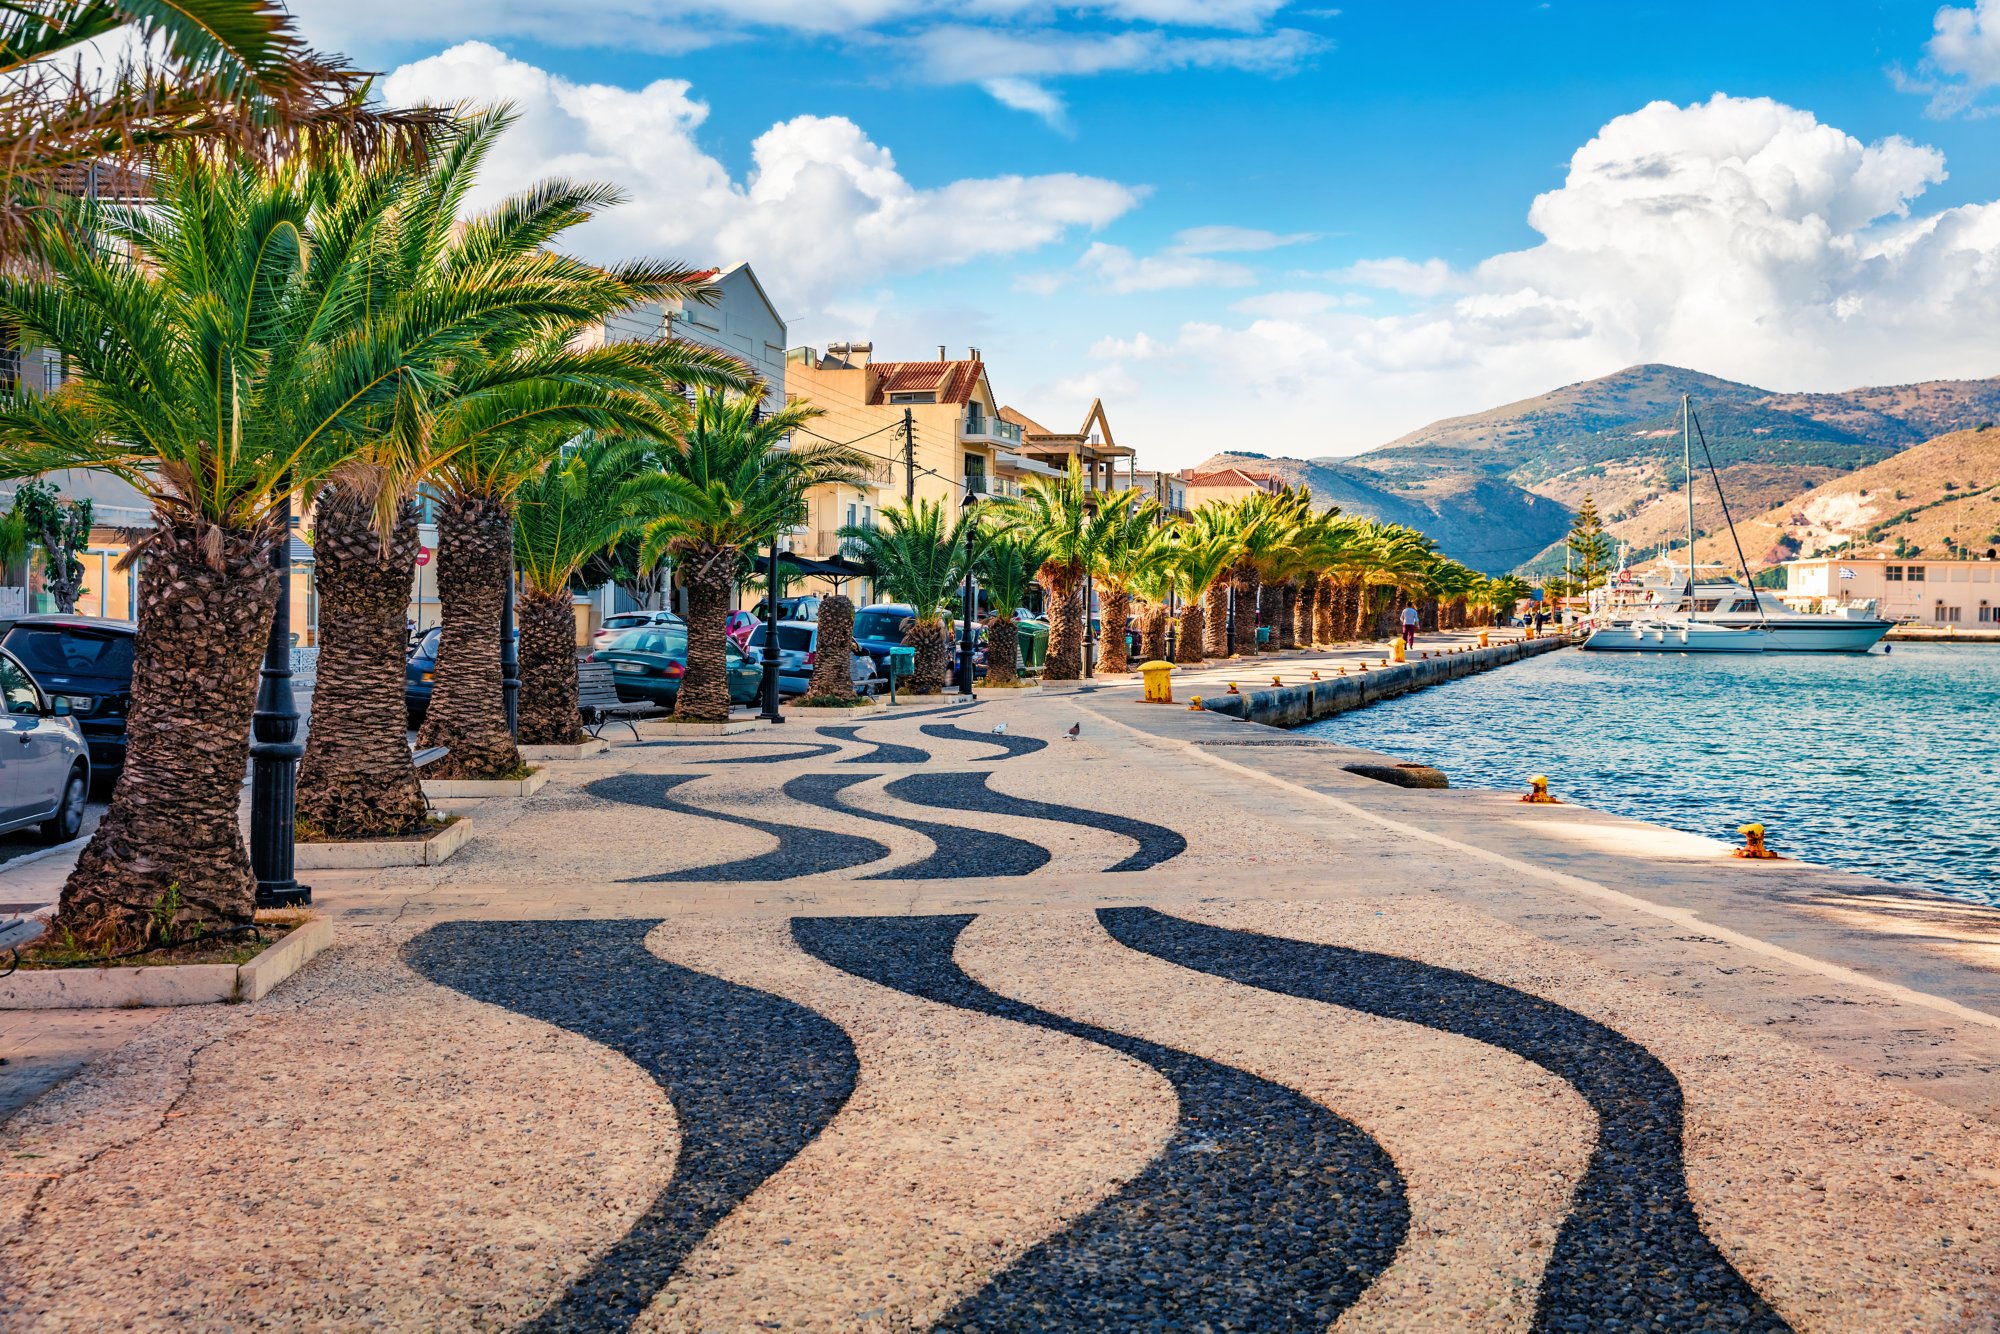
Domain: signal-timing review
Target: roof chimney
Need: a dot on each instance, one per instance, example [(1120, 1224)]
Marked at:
[(940, 351), (973, 352)]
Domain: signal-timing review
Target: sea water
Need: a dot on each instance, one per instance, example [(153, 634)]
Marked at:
[(1884, 762)]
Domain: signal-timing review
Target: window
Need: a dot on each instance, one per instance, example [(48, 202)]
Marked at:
[(975, 472), (19, 691), (1942, 613), (1916, 574), (1989, 614), (913, 398), (1893, 573), (71, 652)]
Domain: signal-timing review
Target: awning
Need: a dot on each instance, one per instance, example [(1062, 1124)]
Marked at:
[(837, 567)]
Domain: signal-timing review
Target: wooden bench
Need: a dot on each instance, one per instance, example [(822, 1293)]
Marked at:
[(597, 702)]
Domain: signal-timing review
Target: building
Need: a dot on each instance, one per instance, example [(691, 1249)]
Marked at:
[(1227, 485), (1938, 593), (1091, 447), (1168, 489), (741, 321)]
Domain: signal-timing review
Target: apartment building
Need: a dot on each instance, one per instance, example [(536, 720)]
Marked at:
[(1938, 593), (1042, 452), (1226, 485)]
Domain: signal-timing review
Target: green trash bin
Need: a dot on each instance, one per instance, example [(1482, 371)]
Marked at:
[(902, 666)]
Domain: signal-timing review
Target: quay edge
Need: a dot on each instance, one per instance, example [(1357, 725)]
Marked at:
[(1296, 705)]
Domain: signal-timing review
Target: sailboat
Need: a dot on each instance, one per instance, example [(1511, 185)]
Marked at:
[(1659, 632)]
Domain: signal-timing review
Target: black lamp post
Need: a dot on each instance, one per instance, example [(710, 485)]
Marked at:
[(274, 745), (1229, 621), (1172, 600), (1089, 592), (770, 686), (510, 657), (965, 508)]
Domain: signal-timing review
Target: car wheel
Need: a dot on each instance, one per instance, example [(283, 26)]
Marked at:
[(67, 822)]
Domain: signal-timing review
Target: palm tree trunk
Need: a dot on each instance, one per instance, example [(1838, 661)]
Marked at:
[(1308, 595), (1217, 618), (169, 855), (1065, 660), (933, 645), (1325, 625), (548, 707), (1287, 633), (709, 576), (1249, 587), (1152, 632), (1003, 649), (357, 779), (467, 713), (1114, 609), (832, 677), (1427, 615), (1190, 646)]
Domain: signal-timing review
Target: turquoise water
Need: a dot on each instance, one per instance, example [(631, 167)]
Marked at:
[(1880, 763)]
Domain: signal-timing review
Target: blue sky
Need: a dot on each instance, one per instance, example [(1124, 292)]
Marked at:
[(1289, 228)]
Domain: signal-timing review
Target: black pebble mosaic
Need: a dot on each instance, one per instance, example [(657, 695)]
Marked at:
[(878, 752), (971, 792), (1265, 1211), (959, 854), (752, 1077), (802, 850), (1008, 745), (1631, 1255)]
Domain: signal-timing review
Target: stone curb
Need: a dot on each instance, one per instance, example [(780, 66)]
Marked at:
[(367, 854), (730, 728), (832, 710), (174, 984), (581, 750), (437, 788), (1289, 706)]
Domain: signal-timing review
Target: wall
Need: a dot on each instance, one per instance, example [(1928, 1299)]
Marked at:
[(1959, 593), (1291, 706)]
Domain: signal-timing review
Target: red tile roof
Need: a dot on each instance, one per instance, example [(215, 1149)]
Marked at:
[(953, 381), (1232, 477)]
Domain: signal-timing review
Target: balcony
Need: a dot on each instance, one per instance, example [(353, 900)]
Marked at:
[(991, 430)]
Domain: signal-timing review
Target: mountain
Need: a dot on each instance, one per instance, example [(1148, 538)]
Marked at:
[(1496, 488), (1932, 499)]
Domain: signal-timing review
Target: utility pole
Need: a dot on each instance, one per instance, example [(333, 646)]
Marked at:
[(909, 457)]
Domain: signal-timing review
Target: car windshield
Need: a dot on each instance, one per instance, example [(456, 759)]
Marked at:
[(59, 650), (627, 622), (791, 638), (879, 625), (665, 641), (428, 646)]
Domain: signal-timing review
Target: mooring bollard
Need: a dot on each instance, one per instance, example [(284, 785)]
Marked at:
[(1232, 689), (1195, 705), (1538, 791), (1753, 848), (1159, 677)]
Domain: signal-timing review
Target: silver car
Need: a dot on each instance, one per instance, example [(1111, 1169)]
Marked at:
[(44, 763)]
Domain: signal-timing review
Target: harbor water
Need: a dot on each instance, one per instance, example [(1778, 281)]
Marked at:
[(1883, 763)]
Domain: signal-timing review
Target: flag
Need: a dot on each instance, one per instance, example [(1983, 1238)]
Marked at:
[(1846, 572)]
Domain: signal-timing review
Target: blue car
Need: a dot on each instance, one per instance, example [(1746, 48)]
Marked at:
[(417, 675)]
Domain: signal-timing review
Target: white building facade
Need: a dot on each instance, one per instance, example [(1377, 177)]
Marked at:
[(1962, 594)]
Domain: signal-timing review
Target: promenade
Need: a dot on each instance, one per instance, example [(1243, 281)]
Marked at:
[(940, 1016)]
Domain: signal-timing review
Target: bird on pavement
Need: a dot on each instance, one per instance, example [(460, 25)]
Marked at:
[(1000, 729), (1075, 731)]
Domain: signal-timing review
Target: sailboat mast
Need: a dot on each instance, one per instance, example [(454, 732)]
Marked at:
[(1687, 458)]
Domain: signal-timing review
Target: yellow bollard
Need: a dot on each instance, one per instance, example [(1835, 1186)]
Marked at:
[(1538, 791), (1484, 640), (1753, 844), (1195, 705), (1315, 676), (1397, 649), (1276, 681), (1159, 678), (1232, 689)]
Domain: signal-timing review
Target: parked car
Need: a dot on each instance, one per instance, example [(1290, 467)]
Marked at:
[(738, 627), (417, 673), (44, 760), (798, 653), (799, 608), (87, 660), (624, 621), (649, 665)]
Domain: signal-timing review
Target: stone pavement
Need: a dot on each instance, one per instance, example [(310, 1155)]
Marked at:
[(940, 1018)]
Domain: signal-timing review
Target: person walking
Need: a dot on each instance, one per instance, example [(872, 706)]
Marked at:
[(1409, 627)]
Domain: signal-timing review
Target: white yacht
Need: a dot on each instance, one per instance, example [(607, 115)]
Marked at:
[(1675, 634)]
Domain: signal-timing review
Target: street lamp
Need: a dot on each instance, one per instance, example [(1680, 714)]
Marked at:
[(274, 745), (770, 685), (1089, 589), (1172, 600), (965, 509)]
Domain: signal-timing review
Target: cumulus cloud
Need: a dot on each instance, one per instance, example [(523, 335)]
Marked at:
[(1961, 60), (823, 210), (1737, 235), (1226, 240), (1104, 267)]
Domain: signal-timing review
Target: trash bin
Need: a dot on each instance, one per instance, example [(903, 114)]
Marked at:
[(1159, 681), (1263, 635), (902, 666)]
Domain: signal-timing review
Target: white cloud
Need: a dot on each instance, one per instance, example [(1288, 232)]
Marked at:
[(823, 211), (1295, 305), (1962, 58), (1226, 240), (1029, 96), (1738, 236), (1113, 268)]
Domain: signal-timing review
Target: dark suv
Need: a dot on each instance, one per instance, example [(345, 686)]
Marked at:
[(88, 659)]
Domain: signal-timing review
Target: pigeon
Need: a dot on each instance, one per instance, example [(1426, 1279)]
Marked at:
[(1000, 729), (1075, 731)]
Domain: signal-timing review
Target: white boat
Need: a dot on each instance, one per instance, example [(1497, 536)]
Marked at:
[(1670, 634)]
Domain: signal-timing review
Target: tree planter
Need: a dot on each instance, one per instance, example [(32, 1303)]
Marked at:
[(429, 849), (836, 710), (127, 988), (581, 750), (437, 788)]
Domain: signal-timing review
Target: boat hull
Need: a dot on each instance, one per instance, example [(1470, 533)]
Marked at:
[(1829, 636), (1674, 639)]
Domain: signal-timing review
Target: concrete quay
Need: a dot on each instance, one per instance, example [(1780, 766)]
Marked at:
[(1359, 681), (938, 1016)]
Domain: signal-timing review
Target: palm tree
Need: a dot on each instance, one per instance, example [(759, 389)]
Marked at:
[(1204, 553), (733, 483), (1152, 587), (832, 679), (1007, 570), (493, 273), (1061, 516), (1126, 544), (224, 72), (594, 493), (919, 557), (209, 374)]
